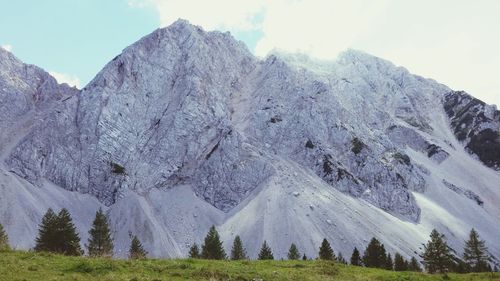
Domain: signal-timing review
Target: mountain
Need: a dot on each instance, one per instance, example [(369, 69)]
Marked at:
[(186, 128)]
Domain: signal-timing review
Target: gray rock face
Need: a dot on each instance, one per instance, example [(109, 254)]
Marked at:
[(467, 193), (26, 92), (185, 106), (186, 129), (408, 136), (146, 120), (476, 124), (24, 88)]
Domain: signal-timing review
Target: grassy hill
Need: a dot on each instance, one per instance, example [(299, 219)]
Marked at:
[(33, 266)]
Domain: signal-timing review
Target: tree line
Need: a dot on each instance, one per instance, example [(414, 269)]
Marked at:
[(436, 258), (58, 234)]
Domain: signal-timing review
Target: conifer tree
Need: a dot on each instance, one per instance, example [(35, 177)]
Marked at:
[(356, 258), (475, 253), (57, 233), (293, 252), (238, 252), (4, 240), (400, 264), (212, 248), (47, 233), (69, 241), (194, 252), (341, 259), (388, 262), (265, 252), (100, 243), (136, 250), (436, 256), (304, 257), (414, 265), (326, 251), (374, 255)]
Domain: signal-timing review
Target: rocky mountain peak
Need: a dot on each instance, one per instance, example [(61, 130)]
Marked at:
[(344, 149)]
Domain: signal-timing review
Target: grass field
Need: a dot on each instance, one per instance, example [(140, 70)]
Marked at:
[(33, 266)]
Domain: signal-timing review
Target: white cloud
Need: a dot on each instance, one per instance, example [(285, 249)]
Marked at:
[(455, 42), (214, 14), (69, 79), (7, 47)]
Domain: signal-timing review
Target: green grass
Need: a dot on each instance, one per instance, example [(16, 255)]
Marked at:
[(34, 266)]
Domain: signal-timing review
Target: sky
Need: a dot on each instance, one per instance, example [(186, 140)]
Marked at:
[(455, 42)]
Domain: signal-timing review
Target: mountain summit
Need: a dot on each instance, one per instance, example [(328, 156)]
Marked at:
[(186, 128)]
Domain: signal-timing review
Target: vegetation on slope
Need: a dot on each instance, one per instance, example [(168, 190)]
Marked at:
[(44, 266)]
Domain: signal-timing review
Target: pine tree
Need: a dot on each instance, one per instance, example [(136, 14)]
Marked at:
[(374, 255), (293, 252), (355, 257), (69, 241), (414, 265), (136, 250), (304, 257), (212, 248), (436, 254), (265, 252), (100, 243), (475, 253), (238, 252), (326, 251), (4, 240), (47, 233), (341, 259), (400, 264), (388, 262), (194, 252)]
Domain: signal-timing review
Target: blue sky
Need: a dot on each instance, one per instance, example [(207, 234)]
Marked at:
[(72, 37), (455, 42)]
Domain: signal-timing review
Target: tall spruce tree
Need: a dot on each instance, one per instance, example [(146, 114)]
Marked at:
[(57, 233), (4, 240), (356, 257), (475, 253), (100, 243), (293, 252), (47, 238), (212, 248), (194, 252), (389, 265), (238, 252), (414, 265), (374, 255), (400, 264), (436, 256), (265, 252), (69, 241), (136, 250), (326, 251)]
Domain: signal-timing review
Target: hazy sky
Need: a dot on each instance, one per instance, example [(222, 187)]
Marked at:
[(455, 42)]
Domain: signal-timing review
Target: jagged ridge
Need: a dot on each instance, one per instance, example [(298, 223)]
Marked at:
[(185, 108)]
